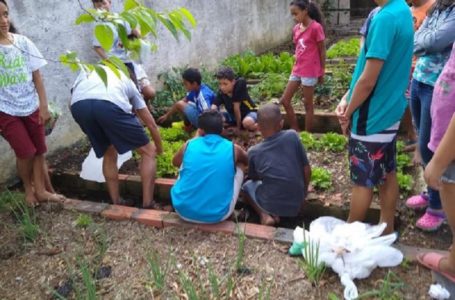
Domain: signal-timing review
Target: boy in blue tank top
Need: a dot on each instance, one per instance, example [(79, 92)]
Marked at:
[(209, 182)]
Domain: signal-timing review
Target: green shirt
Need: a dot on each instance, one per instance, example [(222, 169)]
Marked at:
[(390, 38)]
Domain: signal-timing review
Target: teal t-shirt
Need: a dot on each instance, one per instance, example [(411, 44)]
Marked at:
[(390, 38), (205, 187)]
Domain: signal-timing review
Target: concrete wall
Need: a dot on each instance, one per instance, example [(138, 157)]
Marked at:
[(224, 28)]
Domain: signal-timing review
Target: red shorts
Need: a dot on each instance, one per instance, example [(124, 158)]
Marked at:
[(24, 134)]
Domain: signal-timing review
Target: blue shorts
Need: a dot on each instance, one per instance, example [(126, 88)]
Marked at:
[(191, 114), (107, 124), (230, 119)]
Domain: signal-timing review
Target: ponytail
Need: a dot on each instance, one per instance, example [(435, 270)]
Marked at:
[(313, 9)]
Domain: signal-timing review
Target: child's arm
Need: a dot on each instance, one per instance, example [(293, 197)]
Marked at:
[(147, 118), (100, 51), (44, 115), (240, 156), (322, 54), (444, 155), (307, 177), (238, 115), (177, 106), (178, 157)]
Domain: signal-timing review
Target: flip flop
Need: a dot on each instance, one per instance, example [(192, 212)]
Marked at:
[(431, 260)]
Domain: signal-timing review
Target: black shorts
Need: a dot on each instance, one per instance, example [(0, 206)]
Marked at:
[(107, 124), (370, 162)]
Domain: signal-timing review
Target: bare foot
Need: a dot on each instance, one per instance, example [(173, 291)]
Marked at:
[(267, 220), (49, 197), (31, 200), (446, 266)]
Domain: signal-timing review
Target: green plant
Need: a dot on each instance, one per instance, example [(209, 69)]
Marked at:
[(264, 291), (403, 161), (400, 146), (239, 267), (389, 289), (321, 178), (84, 221), (313, 268), (164, 161), (189, 287), (215, 284), (333, 141), (136, 15), (173, 134), (333, 296), (405, 182), (308, 140), (271, 85), (88, 290), (157, 272), (344, 48), (25, 215)]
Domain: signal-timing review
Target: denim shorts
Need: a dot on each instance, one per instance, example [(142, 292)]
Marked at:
[(306, 81), (191, 114), (449, 174)]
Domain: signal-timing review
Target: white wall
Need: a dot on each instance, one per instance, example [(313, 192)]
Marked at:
[(224, 28)]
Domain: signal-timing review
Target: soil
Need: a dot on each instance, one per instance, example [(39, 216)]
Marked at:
[(34, 270)]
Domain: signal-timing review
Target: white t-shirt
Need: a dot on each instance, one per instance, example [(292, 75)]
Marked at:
[(120, 91), (18, 96)]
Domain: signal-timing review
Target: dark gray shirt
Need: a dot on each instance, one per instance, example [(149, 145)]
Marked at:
[(279, 163)]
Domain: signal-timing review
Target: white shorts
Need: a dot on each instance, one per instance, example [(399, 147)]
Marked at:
[(305, 81)]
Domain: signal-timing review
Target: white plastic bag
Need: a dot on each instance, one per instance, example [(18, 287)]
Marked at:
[(352, 250), (92, 167), (438, 292)]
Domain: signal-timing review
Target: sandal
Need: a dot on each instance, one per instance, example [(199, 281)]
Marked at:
[(431, 220), (418, 202), (432, 261)]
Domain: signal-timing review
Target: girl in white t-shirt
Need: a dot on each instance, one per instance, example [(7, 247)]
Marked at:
[(23, 108)]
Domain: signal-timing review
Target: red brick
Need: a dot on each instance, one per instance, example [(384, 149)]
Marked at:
[(165, 182), (172, 219), (118, 212), (149, 217), (224, 227), (260, 231), (91, 207)]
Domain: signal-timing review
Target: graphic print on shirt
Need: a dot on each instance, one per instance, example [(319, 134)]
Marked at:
[(13, 69), (301, 47)]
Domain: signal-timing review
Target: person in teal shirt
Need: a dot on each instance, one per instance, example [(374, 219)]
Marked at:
[(371, 112), (210, 178)]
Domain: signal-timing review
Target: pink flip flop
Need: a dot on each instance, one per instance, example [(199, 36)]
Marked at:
[(431, 260)]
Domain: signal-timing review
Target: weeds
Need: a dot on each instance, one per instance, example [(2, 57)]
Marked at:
[(264, 291), (157, 272), (313, 269), (239, 267), (84, 221), (25, 216), (89, 284), (389, 289)]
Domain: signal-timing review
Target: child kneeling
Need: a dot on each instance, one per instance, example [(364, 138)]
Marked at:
[(210, 178), (278, 169)]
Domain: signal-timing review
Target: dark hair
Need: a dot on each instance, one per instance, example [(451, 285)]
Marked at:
[(12, 28), (192, 75), (211, 122), (225, 73), (441, 5), (313, 10)]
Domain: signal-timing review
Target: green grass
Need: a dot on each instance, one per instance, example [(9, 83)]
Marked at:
[(157, 272), (314, 270), (84, 221), (389, 289)]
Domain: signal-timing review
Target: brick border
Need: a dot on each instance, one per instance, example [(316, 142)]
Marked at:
[(162, 219)]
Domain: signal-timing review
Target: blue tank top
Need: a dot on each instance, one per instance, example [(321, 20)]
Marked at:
[(204, 190)]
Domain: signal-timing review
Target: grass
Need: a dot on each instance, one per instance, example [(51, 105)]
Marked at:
[(313, 269), (389, 289), (84, 221), (157, 272), (239, 266), (25, 216)]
